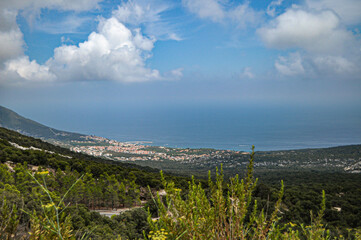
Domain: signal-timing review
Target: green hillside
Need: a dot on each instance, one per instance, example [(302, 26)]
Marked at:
[(11, 120), (25, 207)]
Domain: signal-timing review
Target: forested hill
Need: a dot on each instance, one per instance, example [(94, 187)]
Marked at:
[(95, 184), (40, 153), (102, 184), (11, 120)]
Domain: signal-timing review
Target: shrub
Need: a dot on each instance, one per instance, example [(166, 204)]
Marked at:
[(225, 212)]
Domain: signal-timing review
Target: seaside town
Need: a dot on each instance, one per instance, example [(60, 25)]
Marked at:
[(174, 159), (137, 151)]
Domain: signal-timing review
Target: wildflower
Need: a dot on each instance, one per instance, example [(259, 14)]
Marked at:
[(43, 173), (292, 224), (49, 205), (158, 235)]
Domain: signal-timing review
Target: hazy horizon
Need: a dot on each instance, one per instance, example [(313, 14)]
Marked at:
[(220, 127)]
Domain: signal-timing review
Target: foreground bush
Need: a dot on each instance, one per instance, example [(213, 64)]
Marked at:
[(217, 213)]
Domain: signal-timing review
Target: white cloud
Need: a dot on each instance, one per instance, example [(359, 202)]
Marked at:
[(112, 53), (247, 73), (29, 70), (69, 24), (317, 66), (326, 47), (174, 74), (313, 31), (66, 40), (336, 64), (206, 9), (8, 19), (291, 65), (12, 45), (77, 5), (138, 12), (148, 14), (244, 15), (348, 10), (217, 11), (11, 38), (13, 62), (271, 8)]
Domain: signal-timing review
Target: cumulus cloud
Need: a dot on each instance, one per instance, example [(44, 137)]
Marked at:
[(348, 10), (29, 70), (216, 10), (313, 31), (112, 53), (325, 46), (13, 62), (14, 65), (290, 65), (147, 14), (11, 38)]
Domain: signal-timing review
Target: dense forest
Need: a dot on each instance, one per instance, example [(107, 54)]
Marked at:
[(40, 182)]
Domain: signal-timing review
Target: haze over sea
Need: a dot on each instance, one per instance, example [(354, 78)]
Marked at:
[(214, 126)]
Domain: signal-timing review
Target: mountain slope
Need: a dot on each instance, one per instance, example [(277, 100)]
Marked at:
[(11, 120)]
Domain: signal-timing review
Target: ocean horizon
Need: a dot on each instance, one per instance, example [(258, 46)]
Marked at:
[(219, 127)]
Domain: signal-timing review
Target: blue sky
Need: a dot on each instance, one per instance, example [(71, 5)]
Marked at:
[(93, 53)]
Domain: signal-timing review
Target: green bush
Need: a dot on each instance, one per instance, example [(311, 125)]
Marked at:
[(225, 213)]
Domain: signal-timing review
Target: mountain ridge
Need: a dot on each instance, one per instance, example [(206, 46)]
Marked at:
[(14, 121)]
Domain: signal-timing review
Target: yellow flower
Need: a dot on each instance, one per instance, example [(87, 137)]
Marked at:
[(292, 224), (43, 173), (49, 205)]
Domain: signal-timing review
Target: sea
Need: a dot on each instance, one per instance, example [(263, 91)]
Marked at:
[(229, 127)]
